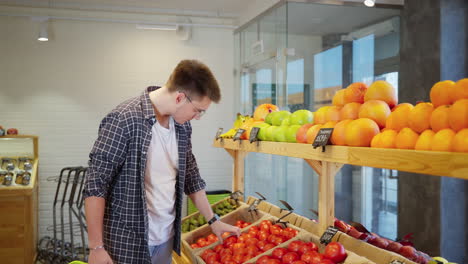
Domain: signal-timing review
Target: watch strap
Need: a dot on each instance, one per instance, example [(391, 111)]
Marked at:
[(214, 219)]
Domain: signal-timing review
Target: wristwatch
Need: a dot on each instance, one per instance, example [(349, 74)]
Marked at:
[(214, 219)]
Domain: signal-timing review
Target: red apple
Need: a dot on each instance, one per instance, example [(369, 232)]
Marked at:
[(354, 233), (380, 242), (394, 246), (12, 131), (408, 252)]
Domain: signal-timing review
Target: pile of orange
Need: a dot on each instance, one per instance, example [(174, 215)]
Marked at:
[(371, 116)]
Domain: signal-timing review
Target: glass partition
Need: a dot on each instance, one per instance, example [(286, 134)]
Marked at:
[(297, 56)]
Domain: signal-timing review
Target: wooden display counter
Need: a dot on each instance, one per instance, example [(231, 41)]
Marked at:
[(19, 205)]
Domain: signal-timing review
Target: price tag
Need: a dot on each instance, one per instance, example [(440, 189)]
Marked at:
[(328, 235), (396, 262), (254, 134), (218, 133), (322, 138), (238, 134)]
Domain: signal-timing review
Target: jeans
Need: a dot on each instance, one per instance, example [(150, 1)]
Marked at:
[(162, 254)]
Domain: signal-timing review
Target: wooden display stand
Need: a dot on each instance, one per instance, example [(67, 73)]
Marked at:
[(326, 164), (18, 209)]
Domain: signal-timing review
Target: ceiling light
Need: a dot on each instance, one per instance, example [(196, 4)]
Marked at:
[(369, 3), (43, 32), (156, 27)]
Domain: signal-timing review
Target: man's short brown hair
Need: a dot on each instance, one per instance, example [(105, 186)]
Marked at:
[(195, 79)]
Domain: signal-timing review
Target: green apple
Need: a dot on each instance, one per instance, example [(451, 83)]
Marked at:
[(269, 133), (301, 117), (291, 133), (262, 132), (280, 133), (285, 122), (269, 117), (279, 116)]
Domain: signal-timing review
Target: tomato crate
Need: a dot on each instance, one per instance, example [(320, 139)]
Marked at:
[(241, 213), (305, 236), (254, 240)]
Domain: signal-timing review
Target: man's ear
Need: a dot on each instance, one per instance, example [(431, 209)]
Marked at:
[(180, 96)]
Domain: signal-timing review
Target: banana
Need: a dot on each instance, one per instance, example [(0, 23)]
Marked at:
[(240, 120)]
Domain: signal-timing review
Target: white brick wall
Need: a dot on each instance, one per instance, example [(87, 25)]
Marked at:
[(61, 89)]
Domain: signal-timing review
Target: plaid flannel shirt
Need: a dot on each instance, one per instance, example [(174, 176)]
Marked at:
[(117, 171)]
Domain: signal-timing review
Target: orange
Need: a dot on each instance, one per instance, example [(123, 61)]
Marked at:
[(359, 132), (355, 93), (339, 131), (350, 111), (376, 110), (441, 93), (301, 134), (382, 90), (425, 140), (460, 90), (458, 115), (263, 110), (460, 141), (398, 119), (406, 139), (442, 140), (329, 124), (419, 118), (385, 139), (320, 115), (333, 113), (312, 133), (338, 98), (440, 118)]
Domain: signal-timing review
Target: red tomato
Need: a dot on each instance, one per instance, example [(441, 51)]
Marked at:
[(218, 248), (262, 235), (245, 225), (238, 245), (295, 245), (261, 245), (251, 241), (207, 253), (335, 252), (307, 247), (212, 258), (239, 222), (274, 261), (230, 262), (212, 238), (202, 242), (229, 241), (312, 257), (275, 229), (290, 257), (279, 253), (225, 235), (326, 261), (299, 262), (262, 260), (268, 247), (268, 222), (265, 227), (226, 258), (278, 240), (194, 245), (251, 250), (225, 251), (238, 258)]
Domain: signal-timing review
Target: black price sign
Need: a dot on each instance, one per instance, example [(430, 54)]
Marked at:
[(322, 138), (238, 134), (396, 262), (218, 133), (254, 134), (328, 235)]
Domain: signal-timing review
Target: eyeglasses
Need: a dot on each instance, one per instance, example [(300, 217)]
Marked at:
[(200, 112)]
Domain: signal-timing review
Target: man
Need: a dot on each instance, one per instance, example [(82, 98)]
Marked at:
[(140, 165)]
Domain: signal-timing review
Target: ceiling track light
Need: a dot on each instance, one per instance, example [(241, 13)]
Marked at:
[(157, 27), (43, 28), (369, 3)]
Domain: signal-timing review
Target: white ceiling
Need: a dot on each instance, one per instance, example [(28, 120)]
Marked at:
[(216, 8)]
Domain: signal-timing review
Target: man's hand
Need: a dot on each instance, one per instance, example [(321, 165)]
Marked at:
[(99, 256), (219, 228)]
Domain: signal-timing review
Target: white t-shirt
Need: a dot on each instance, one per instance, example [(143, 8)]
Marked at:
[(160, 180)]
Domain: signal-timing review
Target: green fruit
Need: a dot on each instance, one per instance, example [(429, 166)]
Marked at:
[(301, 117), (262, 132), (278, 117), (192, 227), (193, 222), (270, 131), (285, 122), (269, 118), (201, 220), (291, 133), (280, 133)]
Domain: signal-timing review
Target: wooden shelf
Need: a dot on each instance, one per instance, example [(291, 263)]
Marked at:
[(448, 164)]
